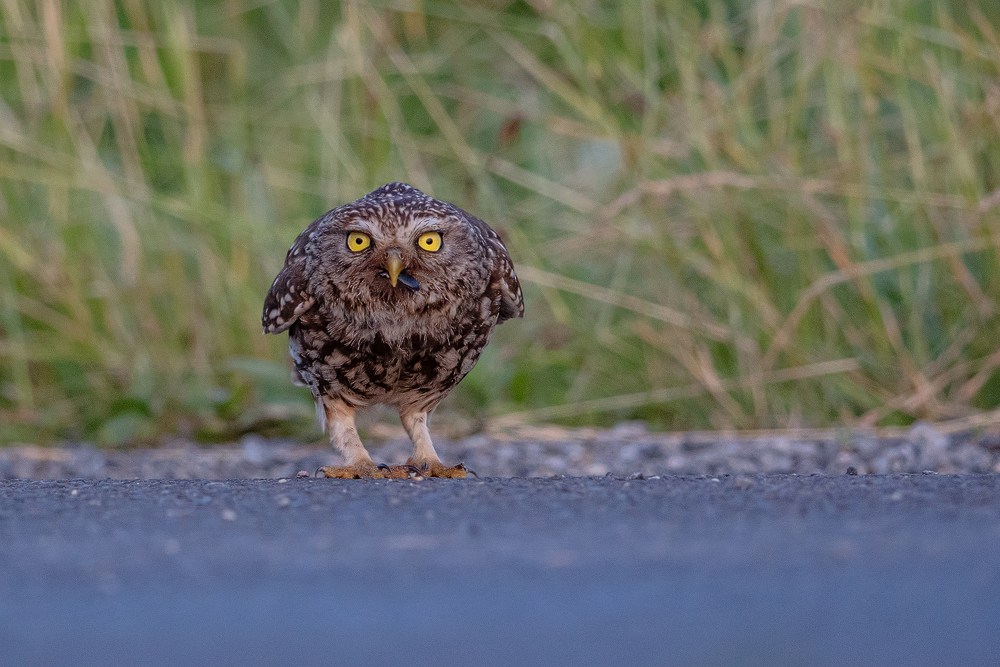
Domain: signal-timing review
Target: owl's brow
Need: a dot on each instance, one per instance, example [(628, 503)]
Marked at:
[(419, 224), (350, 229), (357, 224)]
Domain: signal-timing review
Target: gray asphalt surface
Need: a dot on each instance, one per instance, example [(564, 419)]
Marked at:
[(753, 570)]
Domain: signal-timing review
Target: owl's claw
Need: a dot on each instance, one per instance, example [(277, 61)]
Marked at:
[(461, 466), (438, 469), (366, 470), (406, 467)]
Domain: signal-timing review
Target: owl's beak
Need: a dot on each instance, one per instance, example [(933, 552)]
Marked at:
[(394, 266)]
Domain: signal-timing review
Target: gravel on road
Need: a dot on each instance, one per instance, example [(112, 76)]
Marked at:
[(541, 452)]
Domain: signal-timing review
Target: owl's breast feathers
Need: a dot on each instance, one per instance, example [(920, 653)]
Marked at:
[(407, 363)]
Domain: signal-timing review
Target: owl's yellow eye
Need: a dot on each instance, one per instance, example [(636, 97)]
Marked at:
[(431, 241), (357, 241)]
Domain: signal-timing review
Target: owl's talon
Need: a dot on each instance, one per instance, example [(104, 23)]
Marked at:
[(461, 466), (366, 470), (438, 469)]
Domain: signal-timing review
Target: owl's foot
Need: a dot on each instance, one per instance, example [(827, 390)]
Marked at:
[(370, 470), (438, 469)]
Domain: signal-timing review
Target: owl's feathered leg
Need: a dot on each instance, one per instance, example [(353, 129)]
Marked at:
[(424, 457), (344, 438)]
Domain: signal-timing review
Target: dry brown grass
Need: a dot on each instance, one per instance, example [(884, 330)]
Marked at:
[(735, 215)]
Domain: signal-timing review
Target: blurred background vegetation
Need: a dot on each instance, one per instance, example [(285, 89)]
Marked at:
[(725, 214)]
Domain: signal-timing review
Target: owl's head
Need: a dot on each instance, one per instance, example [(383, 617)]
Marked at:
[(395, 260), (396, 245)]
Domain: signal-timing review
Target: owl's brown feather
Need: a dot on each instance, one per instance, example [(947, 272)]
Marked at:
[(358, 340), (288, 297)]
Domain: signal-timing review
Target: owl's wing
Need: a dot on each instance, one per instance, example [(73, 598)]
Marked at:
[(503, 277), (511, 301), (289, 295)]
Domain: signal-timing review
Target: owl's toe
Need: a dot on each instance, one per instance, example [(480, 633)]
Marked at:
[(368, 470), (438, 469)]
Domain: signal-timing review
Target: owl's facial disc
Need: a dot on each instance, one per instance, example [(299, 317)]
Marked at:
[(394, 271)]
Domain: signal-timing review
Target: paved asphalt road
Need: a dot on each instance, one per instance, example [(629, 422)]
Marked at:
[(766, 570)]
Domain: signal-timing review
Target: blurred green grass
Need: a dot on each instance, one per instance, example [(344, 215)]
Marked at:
[(725, 214)]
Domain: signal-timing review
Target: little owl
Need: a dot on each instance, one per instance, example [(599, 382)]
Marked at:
[(390, 299)]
